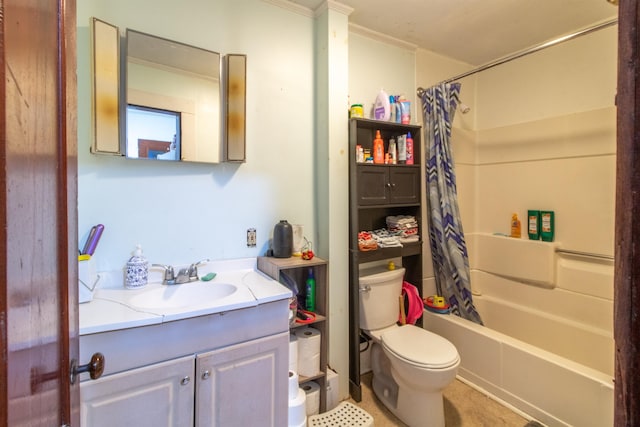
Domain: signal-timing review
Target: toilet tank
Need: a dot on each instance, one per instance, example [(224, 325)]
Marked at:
[(379, 290)]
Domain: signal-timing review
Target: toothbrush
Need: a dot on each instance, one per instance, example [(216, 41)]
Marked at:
[(93, 239)]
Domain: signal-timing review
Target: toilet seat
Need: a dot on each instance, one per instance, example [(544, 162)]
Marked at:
[(419, 347)]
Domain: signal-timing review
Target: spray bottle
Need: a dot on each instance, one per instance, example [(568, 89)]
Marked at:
[(409, 149), (310, 300)]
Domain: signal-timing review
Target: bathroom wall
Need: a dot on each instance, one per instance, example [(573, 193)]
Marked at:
[(182, 213), (375, 63)]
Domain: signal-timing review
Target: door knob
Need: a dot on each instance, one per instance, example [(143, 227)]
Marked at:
[(95, 367)]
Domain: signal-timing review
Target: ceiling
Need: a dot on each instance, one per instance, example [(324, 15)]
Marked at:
[(475, 31)]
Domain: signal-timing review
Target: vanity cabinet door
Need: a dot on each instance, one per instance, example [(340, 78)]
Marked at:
[(244, 384), (156, 395)]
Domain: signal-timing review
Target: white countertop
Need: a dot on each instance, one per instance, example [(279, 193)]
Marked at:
[(111, 307)]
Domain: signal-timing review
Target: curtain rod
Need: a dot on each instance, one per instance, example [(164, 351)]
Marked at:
[(529, 51)]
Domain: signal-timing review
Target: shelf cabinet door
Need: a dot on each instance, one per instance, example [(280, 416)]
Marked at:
[(373, 185), (244, 384), (156, 395), (405, 185)]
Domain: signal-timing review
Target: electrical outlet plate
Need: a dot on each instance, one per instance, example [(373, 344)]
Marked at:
[(251, 238)]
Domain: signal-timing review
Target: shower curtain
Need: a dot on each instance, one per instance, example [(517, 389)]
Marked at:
[(446, 237)]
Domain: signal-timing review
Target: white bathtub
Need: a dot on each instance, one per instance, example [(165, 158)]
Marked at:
[(553, 389)]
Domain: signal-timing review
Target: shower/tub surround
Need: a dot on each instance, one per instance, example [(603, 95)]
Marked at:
[(547, 345)]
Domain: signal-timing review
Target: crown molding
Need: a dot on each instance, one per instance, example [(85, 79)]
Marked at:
[(366, 32)]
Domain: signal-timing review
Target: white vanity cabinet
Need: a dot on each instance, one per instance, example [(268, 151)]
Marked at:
[(223, 369), (237, 385), (161, 394)]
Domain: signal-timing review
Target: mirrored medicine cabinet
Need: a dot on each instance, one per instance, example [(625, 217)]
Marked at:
[(159, 99)]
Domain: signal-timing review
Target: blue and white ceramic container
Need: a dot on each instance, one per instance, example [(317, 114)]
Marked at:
[(137, 270)]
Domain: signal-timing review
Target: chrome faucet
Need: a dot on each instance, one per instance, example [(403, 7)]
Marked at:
[(169, 275), (185, 275)]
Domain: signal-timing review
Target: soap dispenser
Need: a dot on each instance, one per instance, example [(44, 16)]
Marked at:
[(137, 270)]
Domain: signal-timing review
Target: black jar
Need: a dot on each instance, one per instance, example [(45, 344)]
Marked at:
[(282, 239)]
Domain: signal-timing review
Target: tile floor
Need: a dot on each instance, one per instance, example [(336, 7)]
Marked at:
[(463, 407)]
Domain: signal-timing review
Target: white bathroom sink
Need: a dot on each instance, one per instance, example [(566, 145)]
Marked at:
[(237, 285), (184, 295)]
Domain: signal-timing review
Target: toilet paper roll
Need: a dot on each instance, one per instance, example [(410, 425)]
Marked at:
[(312, 390), (293, 385), (293, 353), (297, 409), (308, 351)]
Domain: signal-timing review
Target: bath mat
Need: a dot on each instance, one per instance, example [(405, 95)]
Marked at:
[(344, 415)]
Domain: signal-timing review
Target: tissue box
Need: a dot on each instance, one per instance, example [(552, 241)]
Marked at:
[(87, 279)]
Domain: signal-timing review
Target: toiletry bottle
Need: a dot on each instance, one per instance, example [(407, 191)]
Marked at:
[(515, 226), (137, 270), (409, 149), (533, 220), (359, 154), (547, 225), (392, 109), (378, 149), (310, 300), (402, 149), (393, 151), (382, 108)]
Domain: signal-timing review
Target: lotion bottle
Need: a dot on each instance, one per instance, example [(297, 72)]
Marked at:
[(547, 227), (409, 149), (402, 149), (378, 149), (533, 220), (515, 226)]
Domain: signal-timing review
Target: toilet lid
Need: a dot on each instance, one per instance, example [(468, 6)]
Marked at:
[(420, 347)]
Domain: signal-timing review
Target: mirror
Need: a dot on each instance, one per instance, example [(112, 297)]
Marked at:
[(173, 100), (169, 106)]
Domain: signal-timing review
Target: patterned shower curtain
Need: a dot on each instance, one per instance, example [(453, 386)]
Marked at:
[(448, 247)]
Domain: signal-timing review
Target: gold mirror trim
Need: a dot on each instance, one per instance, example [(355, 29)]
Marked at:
[(235, 108), (105, 87)]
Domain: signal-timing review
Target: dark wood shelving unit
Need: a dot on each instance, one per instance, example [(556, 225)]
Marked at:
[(375, 192)]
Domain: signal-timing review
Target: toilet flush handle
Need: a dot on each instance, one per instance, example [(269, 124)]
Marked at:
[(366, 288)]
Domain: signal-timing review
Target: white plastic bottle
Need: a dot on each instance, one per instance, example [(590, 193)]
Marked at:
[(382, 107)]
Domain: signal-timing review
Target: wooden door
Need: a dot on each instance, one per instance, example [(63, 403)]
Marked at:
[(38, 244), (627, 239)]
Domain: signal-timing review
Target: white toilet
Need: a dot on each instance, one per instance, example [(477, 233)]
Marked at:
[(411, 366)]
